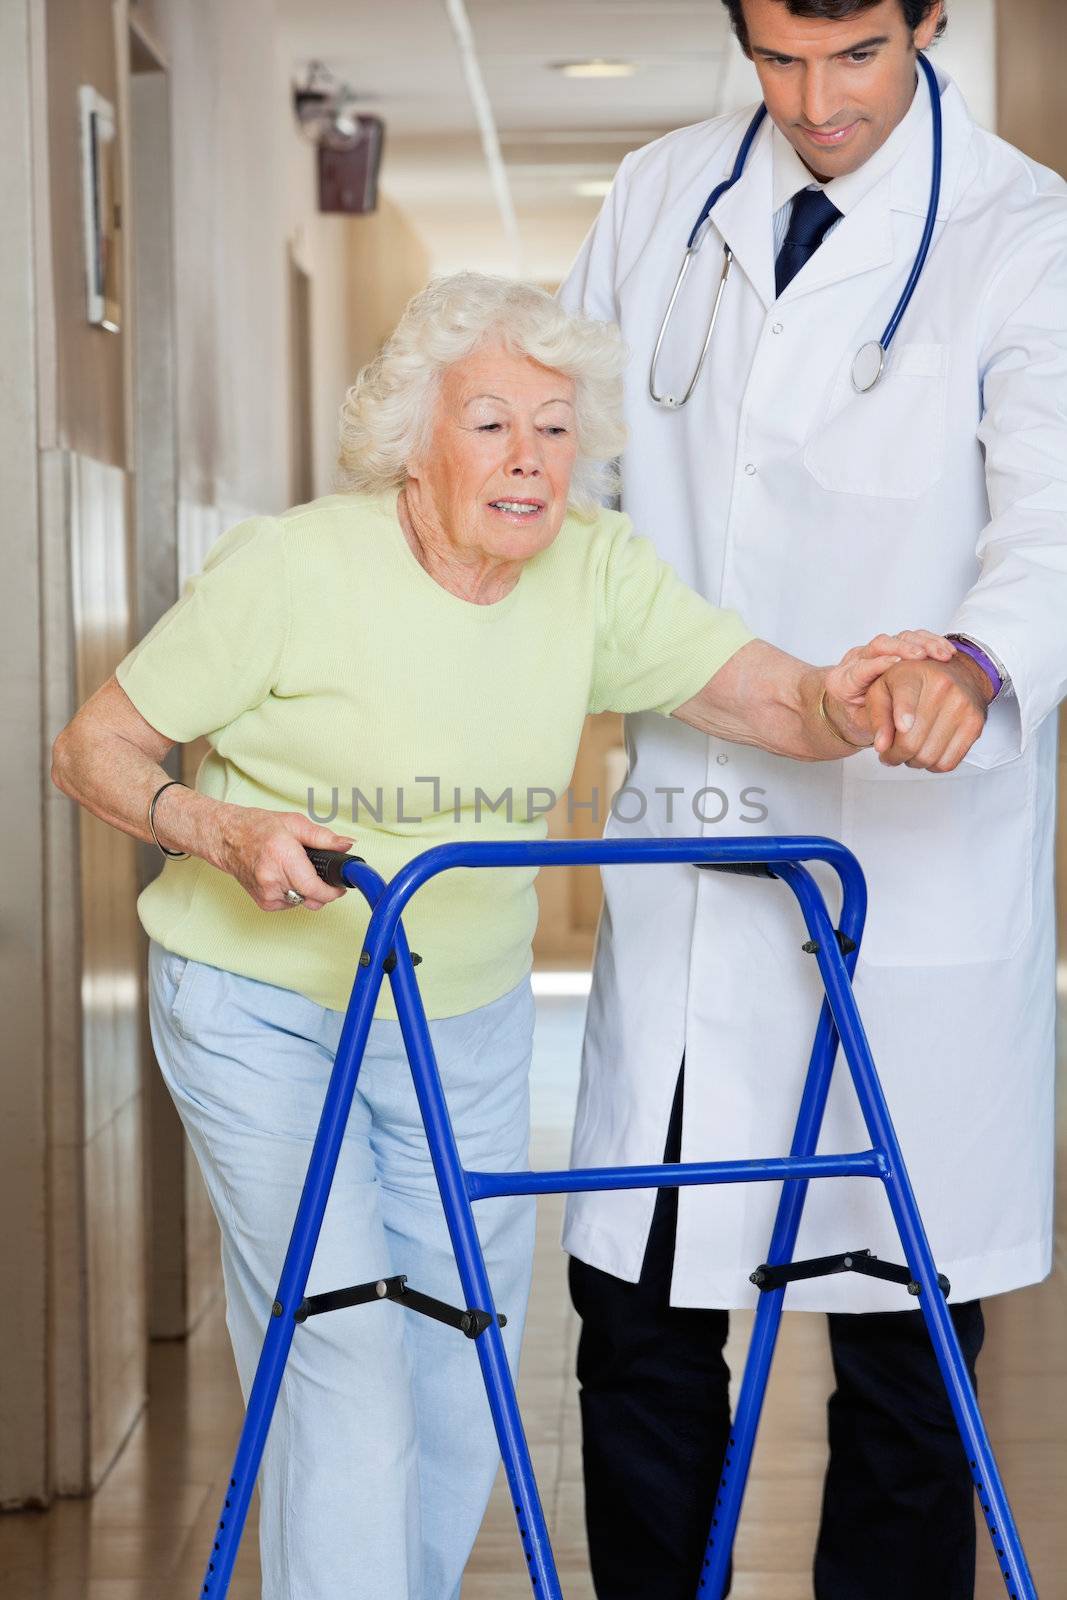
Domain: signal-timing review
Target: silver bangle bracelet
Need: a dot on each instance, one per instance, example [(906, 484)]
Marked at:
[(171, 855)]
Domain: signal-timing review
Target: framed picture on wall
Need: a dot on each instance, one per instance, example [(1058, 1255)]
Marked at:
[(100, 190)]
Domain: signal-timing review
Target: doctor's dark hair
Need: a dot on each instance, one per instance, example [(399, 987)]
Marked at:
[(836, 11)]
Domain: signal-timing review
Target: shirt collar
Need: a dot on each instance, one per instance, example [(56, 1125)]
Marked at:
[(790, 175)]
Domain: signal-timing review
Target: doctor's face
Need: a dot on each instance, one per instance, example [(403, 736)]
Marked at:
[(836, 89)]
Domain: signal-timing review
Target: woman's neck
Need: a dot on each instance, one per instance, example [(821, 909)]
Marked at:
[(472, 575)]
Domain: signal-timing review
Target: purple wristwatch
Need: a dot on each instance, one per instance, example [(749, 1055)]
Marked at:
[(976, 653)]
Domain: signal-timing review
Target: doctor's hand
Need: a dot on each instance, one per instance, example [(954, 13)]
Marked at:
[(928, 714), (850, 684)]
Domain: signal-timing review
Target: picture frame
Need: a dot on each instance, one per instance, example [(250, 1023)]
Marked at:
[(100, 209)]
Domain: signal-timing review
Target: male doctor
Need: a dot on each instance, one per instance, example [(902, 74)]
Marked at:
[(937, 498)]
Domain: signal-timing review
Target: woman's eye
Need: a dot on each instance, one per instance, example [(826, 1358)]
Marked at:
[(489, 427), (556, 430)]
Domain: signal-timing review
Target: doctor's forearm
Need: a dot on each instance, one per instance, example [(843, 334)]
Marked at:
[(764, 697)]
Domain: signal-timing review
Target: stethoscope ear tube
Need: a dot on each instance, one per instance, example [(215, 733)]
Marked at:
[(668, 401)]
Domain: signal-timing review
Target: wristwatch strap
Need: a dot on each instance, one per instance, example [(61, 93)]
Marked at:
[(991, 669)]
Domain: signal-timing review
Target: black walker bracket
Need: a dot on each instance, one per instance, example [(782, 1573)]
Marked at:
[(472, 1323), (766, 1277), (760, 869)]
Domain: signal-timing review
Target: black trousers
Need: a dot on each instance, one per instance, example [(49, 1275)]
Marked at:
[(898, 1504)]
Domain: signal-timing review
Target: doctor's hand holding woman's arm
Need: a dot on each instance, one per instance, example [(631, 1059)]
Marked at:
[(928, 714), (904, 694)]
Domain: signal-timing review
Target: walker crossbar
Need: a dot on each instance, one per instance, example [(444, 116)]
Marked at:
[(773, 1169), (385, 953)]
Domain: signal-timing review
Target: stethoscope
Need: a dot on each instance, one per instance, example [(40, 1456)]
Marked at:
[(870, 360)]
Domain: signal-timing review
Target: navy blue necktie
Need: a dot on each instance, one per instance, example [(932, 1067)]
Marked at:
[(813, 216)]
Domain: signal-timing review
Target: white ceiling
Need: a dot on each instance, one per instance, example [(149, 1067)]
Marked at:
[(554, 131)]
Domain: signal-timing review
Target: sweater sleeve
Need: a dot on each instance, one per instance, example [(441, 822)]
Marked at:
[(658, 641), (218, 651)]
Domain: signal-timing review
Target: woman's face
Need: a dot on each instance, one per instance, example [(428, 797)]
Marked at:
[(498, 469)]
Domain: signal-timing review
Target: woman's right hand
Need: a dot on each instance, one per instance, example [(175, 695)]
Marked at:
[(265, 852)]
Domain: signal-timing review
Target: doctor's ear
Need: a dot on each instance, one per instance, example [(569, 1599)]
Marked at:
[(931, 26)]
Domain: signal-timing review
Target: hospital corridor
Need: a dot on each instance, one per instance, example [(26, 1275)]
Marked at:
[(316, 429)]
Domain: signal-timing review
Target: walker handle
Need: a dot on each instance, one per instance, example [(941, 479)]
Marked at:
[(329, 864)]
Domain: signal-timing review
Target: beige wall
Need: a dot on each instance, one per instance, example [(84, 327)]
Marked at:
[(76, 1132), (1032, 96), (363, 270)]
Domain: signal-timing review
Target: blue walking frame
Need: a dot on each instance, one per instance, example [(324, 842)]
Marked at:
[(386, 952)]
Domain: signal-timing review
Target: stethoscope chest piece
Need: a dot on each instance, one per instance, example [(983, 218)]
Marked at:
[(868, 367)]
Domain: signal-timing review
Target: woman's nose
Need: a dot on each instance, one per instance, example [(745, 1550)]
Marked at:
[(526, 460)]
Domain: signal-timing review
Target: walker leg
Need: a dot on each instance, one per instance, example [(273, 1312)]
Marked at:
[(1007, 1544), (292, 1284), (742, 1439), (459, 1215)]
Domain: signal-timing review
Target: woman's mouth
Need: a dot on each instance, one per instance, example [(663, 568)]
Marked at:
[(522, 510)]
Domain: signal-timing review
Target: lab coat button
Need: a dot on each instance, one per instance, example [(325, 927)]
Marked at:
[(777, 328), (750, 469)]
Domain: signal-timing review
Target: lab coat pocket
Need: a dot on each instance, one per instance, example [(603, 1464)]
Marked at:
[(889, 443), (948, 860)]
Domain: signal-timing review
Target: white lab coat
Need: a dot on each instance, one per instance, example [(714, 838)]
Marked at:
[(939, 500)]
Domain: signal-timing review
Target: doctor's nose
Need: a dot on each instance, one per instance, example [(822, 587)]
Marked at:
[(820, 104)]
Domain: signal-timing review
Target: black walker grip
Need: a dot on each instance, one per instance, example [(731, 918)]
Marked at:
[(744, 869), (329, 864)]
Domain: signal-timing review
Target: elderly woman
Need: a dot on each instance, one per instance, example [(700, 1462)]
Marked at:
[(432, 639)]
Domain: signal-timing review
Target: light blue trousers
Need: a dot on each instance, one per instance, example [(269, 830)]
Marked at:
[(381, 1454)]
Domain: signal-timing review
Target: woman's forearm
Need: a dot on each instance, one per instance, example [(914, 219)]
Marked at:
[(109, 760), (97, 762), (764, 697)]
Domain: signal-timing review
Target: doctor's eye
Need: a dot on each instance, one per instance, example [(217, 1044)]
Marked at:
[(860, 58)]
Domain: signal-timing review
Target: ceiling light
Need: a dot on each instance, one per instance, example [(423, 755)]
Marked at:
[(596, 69), (593, 188)]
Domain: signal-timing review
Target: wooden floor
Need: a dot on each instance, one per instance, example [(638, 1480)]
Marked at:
[(146, 1533)]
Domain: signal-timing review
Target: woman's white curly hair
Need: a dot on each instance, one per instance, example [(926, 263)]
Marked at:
[(387, 416)]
